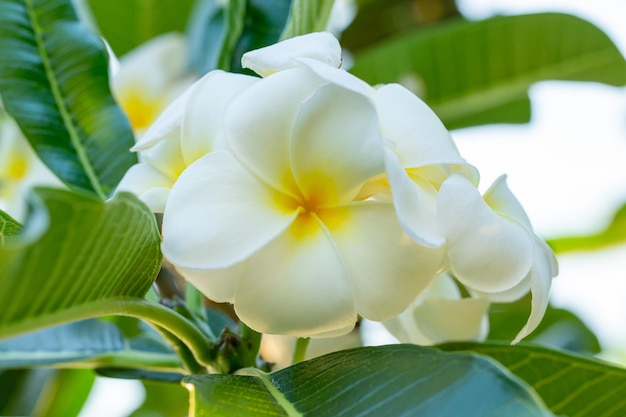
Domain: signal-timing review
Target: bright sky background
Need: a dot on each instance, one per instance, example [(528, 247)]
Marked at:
[(567, 167)]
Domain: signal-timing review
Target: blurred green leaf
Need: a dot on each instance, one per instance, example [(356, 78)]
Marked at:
[(614, 234), (89, 344), (559, 328), (378, 20), (474, 73), (163, 400), (8, 226), (75, 250), (264, 23), (386, 380), (126, 24), (214, 29), (570, 384), (66, 394), (54, 82), (307, 16)]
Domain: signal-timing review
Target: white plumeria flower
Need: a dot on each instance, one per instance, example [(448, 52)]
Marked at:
[(150, 77), (441, 315), (277, 223), (492, 248), (20, 170)]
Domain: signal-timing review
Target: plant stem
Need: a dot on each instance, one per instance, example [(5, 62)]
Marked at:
[(194, 300), (298, 354), (152, 313)]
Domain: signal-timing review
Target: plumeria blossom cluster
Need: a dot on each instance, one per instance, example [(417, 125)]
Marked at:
[(308, 198)]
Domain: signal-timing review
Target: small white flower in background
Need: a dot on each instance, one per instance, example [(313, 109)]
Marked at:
[(20, 170), (308, 197), (150, 77), (440, 315), (492, 248)]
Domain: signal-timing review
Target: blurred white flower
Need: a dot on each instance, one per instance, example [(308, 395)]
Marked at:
[(440, 315), (278, 223), (20, 170), (150, 77), (492, 248)]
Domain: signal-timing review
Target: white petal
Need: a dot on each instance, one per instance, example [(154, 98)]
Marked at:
[(544, 269), (218, 214), (388, 270), (204, 111), (415, 202), (419, 136), (218, 285), (320, 46), (153, 64), (486, 253), (297, 286), (501, 200), (336, 145), (166, 157), (149, 184), (259, 124), (510, 295), (442, 320), (167, 125)]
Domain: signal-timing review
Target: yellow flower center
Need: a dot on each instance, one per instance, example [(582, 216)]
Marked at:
[(140, 110), (16, 168)]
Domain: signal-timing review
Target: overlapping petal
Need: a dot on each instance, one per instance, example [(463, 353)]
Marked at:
[(336, 145), (218, 214), (149, 184), (419, 138), (259, 124), (415, 201), (218, 285), (544, 269), (205, 111), (501, 200), (297, 285), (486, 252), (320, 46), (387, 269)]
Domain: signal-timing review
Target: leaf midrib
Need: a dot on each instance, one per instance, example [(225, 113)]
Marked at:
[(278, 396), (58, 98)]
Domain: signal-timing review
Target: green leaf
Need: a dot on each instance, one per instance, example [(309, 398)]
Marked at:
[(66, 393), (382, 19), (388, 380), (307, 16), (89, 344), (75, 250), (163, 400), (571, 385), (265, 21), (614, 234), (54, 82), (9, 227), (474, 73), (214, 29), (126, 24), (559, 328)]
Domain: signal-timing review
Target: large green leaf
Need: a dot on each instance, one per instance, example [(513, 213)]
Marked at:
[(126, 24), (75, 250), (474, 73), (614, 234), (89, 343), (54, 82), (571, 385), (388, 380)]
